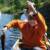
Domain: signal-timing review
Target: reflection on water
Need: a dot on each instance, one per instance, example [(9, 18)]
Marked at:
[(4, 19)]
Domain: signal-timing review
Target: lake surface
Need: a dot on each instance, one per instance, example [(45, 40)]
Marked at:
[(11, 35)]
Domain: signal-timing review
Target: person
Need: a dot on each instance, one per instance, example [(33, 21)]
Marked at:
[(32, 29), (24, 17), (45, 38)]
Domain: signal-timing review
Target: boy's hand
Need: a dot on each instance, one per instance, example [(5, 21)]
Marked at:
[(4, 29), (47, 43)]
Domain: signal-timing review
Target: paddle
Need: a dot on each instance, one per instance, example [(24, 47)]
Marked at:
[(3, 39)]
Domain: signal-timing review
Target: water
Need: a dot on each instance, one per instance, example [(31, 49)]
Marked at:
[(10, 34)]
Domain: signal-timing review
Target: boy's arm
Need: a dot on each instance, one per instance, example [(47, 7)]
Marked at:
[(11, 24), (42, 20)]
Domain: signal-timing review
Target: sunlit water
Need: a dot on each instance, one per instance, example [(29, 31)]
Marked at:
[(10, 34)]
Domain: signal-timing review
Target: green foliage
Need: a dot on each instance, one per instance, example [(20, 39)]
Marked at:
[(18, 5), (1, 1)]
